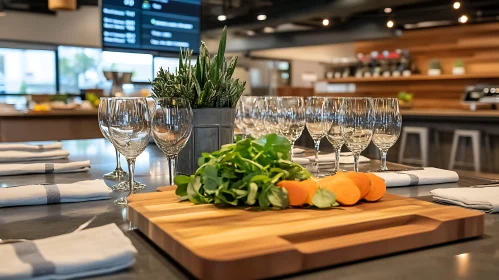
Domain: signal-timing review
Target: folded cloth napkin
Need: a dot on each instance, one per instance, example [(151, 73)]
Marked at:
[(327, 158), (80, 254), (427, 176), (35, 168), (301, 160), (298, 151), (486, 199), (17, 156), (54, 194), (28, 147)]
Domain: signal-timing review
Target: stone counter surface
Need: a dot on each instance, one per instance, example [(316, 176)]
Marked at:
[(472, 259)]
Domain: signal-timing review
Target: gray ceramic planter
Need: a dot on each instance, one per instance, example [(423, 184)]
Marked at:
[(212, 128)]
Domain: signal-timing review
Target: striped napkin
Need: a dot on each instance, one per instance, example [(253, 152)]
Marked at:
[(19, 156), (80, 254), (427, 176), (28, 147), (37, 168), (54, 194)]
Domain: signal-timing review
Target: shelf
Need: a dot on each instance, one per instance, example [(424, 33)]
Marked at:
[(412, 78)]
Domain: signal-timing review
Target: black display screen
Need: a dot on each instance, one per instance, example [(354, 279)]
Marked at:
[(155, 25)]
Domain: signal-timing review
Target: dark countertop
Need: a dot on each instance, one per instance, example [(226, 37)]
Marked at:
[(472, 259)]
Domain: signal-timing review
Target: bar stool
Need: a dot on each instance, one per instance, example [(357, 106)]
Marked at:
[(475, 137), (423, 133)]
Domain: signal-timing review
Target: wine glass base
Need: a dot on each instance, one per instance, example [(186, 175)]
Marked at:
[(121, 201), (116, 174), (124, 186)]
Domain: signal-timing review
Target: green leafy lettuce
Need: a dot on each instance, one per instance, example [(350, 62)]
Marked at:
[(245, 173)]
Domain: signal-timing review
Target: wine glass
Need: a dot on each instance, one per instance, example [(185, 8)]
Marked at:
[(239, 118), (271, 115), (171, 126), (291, 118), (387, 126), (316, 124), (129, 126), (333, 131), (102, 112), (257, 112), (246, 103), (356, 125)]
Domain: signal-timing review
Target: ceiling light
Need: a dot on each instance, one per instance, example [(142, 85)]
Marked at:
[(261, 17), (267, 29), (388, 10), (456, 5), (325, 22), (390, 23), (463, 19), (250, 33), (222, 17), (62, 5)]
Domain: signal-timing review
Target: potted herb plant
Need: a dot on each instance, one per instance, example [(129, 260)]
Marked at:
[(212, 93), (435, 68), (458, 68)]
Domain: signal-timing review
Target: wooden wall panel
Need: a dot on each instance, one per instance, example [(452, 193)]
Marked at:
[(476, 45)]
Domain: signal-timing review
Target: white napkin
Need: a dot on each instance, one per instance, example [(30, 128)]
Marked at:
[(328, 158), (80, 254), (53, 194), (486, 199), (34, 168), (427, 176), (28, 147), (298, 151), (301, 160), (17, 156)]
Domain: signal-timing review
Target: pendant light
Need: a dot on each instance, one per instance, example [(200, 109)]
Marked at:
[(62, 5)]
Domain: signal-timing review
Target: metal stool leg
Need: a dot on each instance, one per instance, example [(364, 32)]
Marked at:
[(402, 146), (423, 139), (475, 142), (455, 142)]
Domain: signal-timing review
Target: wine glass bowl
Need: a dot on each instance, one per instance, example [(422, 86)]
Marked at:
[(387, 126), (171, 126), (257, 113), (271, 115), (357, 125)]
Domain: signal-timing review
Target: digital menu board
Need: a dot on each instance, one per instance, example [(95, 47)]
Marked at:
[(155, 25)]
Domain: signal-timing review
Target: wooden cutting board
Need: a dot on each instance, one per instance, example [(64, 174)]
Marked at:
[(238, 243)]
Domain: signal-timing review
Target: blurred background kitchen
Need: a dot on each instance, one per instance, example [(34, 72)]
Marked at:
[(440, 58)]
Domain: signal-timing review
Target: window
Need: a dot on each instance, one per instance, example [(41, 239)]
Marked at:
[(24, 71), (139, 64), (79, 68)]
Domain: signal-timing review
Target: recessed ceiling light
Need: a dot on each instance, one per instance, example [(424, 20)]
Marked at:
[(388, 10), (268, 29), (325, 22), (250, 33), (390, 23), (222, 17), (456, 5), (261, 17), (463, 19)]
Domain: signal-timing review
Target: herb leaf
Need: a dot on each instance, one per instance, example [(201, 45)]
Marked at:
[(324, 198)]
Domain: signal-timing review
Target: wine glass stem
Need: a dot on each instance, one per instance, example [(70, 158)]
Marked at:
[(317, 147), (292, 148), (131, 179), (172, 163), (356, 162), (118, 164), (337, 162), (383, 159)]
